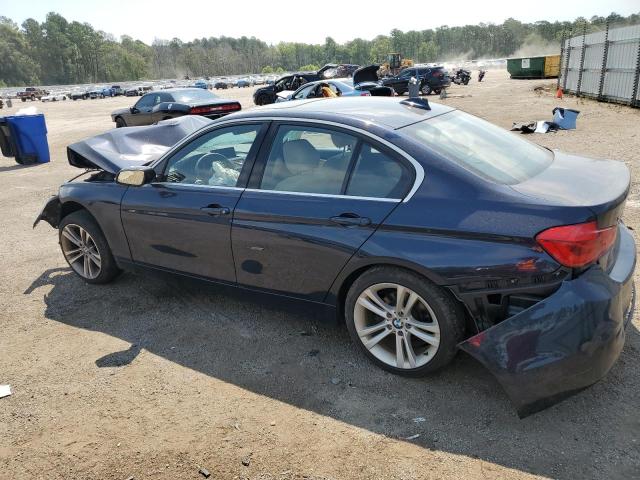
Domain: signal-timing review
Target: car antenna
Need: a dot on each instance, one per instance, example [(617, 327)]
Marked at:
[(422, 103)]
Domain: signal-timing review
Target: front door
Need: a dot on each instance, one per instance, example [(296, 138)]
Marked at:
[(141, 115), (317, 195), (182, 222)]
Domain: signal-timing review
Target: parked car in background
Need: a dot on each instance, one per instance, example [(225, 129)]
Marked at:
[(54, 97), (78, 94), (107, 92), (432, 79), (223, 84), (363, 84), (201, 84), (244, 82), (117, 90), (268, 94), (425, 229), (164, 104), (133, 91), (95, 92), (32, 93), (347, 70)]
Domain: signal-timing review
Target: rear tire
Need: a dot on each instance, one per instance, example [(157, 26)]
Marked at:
[(86, 249), (428, 332), (120, 122)]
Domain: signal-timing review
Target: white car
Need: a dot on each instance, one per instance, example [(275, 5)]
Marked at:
[(54, 97)]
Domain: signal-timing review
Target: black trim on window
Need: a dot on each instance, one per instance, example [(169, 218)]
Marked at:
[(260, 162)]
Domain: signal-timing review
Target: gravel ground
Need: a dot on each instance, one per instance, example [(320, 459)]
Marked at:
[(154, 378)]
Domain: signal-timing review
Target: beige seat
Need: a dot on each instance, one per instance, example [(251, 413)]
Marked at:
[(302, 160)]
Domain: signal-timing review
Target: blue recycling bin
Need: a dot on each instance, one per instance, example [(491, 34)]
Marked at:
[(565, 118), (29, 134)]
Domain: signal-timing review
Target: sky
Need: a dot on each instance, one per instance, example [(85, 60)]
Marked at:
[(298, 21)]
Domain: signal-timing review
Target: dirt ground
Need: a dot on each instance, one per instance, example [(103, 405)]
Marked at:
[(151, 378)]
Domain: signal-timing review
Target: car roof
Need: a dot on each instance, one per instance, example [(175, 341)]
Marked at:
[(184, 89), (389, 111)]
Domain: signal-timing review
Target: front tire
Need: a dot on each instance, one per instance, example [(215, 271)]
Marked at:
[(425, 89), (86, 249), (404, 323), (120, 122)]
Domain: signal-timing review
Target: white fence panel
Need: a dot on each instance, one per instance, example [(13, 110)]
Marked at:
[(604, 65)]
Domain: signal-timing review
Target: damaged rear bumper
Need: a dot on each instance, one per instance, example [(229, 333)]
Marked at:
[(567, 341)]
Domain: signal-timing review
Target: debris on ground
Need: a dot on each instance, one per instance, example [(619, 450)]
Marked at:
[(130, 477), (204, 472), (419, 420), (542, 89), (246, 461), (412, 437), (563, 119), (335, 380), (5, 391), (540, 126)]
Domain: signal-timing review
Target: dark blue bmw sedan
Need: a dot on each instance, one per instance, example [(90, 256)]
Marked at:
[(426, 229)]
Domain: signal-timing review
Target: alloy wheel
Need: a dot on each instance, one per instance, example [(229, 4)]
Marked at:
[(81, 251), (397, 325)]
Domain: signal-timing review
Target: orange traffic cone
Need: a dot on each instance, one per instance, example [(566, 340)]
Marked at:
[(559, 93)]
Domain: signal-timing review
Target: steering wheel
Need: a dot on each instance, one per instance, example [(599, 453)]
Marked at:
[(203, 168)]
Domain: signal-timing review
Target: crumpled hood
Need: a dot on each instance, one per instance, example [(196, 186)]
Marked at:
[(129, 146)]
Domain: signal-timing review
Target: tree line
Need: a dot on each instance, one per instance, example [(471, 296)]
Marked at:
[(57, 51)]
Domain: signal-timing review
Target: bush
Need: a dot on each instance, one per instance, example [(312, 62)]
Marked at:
[(309, 68)]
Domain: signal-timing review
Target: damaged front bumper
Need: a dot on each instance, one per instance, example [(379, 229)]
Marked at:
[(566, 342)]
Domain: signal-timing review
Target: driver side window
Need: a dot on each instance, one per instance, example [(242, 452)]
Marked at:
[(146, 101), (214, 159)]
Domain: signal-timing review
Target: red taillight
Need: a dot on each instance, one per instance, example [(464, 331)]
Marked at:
[(215, 108), (577, 245), (365, 94)]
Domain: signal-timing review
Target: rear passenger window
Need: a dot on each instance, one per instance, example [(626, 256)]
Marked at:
[(378, 175), (308, 160)]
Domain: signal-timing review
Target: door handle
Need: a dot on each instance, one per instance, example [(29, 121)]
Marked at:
[(216, 210), (351, 220)]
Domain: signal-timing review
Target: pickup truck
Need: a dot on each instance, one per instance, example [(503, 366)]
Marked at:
[(32, 93)]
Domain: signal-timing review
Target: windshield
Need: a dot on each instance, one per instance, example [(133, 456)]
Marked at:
[(480, 146), (188, 96)]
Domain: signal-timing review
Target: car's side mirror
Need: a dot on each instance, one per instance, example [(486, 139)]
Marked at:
[(134, 110), (135, 176)]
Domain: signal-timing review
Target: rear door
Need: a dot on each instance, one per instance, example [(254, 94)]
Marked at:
[(401, 82), (183, 221), (317, 193)]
